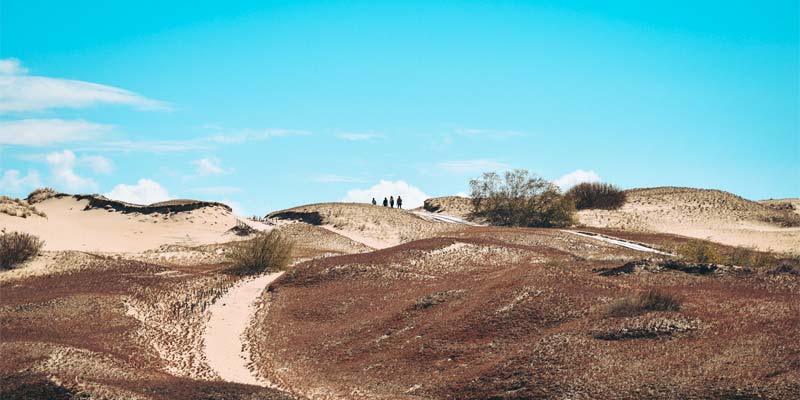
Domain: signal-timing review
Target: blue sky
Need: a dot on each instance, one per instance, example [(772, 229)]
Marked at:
[(278, 104)]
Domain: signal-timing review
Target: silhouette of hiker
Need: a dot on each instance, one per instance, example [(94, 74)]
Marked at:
[(399, 202), (391, 201), (385, 202), (374, 202)]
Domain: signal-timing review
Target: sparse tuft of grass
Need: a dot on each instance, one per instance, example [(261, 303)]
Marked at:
[(266, 252), (40, 194), (17, 247), (651, 300)]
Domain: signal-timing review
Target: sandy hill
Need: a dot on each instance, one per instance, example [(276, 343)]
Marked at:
[(375, 226), (702, 213), (95, 223), (455, 206)]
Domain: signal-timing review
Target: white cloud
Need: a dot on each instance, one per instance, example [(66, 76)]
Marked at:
[(209, 166), (359, 136), (337, 179), (412, 195), (44, 132), (575, 177), (145, 191), (98, 164), (481, 165), (11, 66), (463, 194), (12, 181), (62, 166), (20, 92)]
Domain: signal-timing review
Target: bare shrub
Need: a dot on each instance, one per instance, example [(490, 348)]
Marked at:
[(696, 251), (520, 199), (597, 195), (782, 218), (266, 252), (651, 300), (17, 247)]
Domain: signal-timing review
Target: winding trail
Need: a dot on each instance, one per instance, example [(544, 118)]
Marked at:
[(223, 336)]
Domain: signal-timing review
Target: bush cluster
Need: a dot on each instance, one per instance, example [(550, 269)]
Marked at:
[(520, 199), (597, 195), (695, 251), (651, 300), (266, 252), (17, 247)]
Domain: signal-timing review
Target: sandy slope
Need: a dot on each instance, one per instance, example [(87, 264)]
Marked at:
[(229, 317), (704, 214), (68, 227)]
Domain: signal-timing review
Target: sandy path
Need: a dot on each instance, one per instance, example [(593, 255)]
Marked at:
[(230, 317), (619, 242)]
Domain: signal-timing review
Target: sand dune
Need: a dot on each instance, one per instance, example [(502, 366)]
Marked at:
[(705, 214), (84, 223)]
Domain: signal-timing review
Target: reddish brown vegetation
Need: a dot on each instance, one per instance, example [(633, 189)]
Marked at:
[(513, 313)]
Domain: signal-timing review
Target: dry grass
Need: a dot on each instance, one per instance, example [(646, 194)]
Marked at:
[(16, 248), (651, 300), (270, 251), (18, 208)]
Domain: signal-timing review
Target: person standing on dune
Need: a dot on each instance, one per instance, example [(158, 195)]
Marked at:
[(391, 201), (385, 202), (374, 202), (399, 202)]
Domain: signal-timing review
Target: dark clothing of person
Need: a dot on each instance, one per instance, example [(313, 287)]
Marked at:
[(374, 202), (399, 202), (385, 202), (391, 201)]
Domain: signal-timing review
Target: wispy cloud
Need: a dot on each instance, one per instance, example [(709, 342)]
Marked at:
[(479, 165), (493, 133), (153, 146), (20, 92), (330, 178), (209, 166), (45, 132), (359, 136), (216, 190), (248, 135)]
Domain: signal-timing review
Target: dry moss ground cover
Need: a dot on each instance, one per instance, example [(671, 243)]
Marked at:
[(94, 326), (511, 313)]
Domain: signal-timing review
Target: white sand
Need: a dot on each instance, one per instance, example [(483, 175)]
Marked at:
[(230, 316), (375, 243)]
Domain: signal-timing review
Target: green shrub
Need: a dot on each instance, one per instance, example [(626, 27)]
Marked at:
[(596, 195), (520, 199), (651, 300), (17, 247), (266, 252)]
